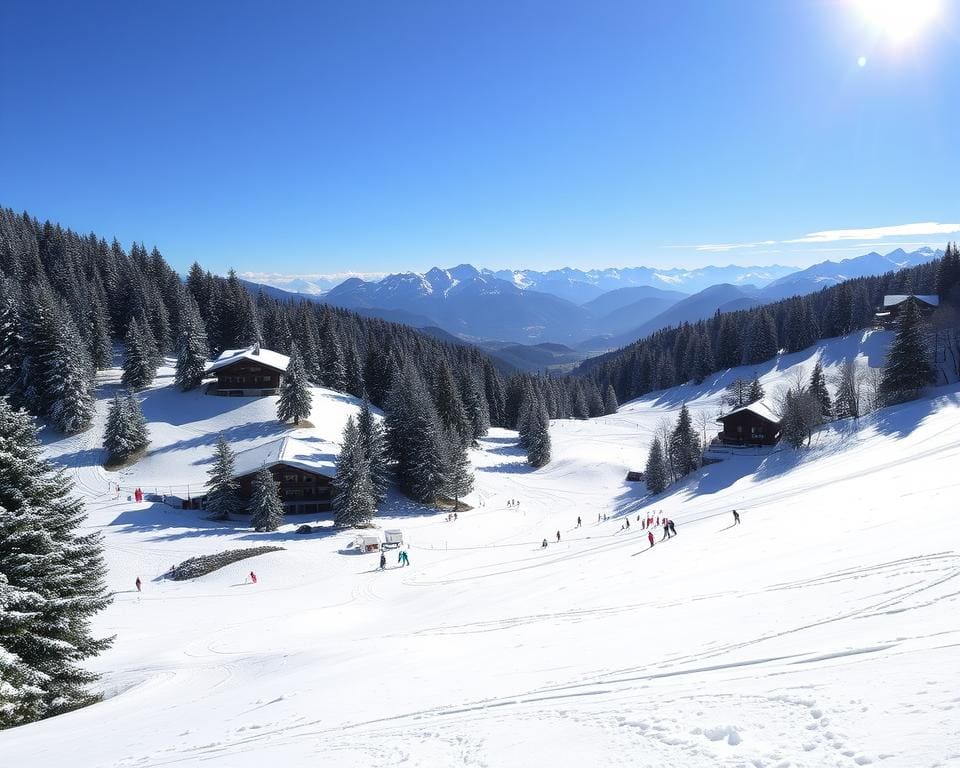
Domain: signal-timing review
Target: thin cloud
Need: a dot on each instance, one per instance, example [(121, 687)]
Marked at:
[(837, 235), (313, 277)]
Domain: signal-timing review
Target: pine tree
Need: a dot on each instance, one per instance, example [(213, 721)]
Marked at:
[(69, 381), (907, 369), (450, 408), (374, 444), (296, 399), (762, 339), (11, 339), (223, 497), (818, 388), (684, 444), (801, 415), (192, 346), (354, 500), (51, 582), (459, 473), (265, 507), (610, 404), (655, 473), (755, 394), (475, 404), (538, 436), (139, 360), (126, 430), (736, 394)]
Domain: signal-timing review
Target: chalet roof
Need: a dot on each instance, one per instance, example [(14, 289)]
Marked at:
[(317, 458), (758, 408), (898, 298), (266, 357)]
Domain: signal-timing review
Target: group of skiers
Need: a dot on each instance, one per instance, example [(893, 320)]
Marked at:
[(513, 503), (403, 559)]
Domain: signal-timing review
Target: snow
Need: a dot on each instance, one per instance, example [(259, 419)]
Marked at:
[(267, 357), (760, 408), (319, 458), (821, 631), (894, 299)]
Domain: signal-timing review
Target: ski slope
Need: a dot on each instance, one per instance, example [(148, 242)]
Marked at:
[(822, 631)]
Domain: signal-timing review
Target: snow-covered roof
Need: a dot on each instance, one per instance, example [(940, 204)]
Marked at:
[(759, 408), (267, 357), (898, 298), (317, 458)]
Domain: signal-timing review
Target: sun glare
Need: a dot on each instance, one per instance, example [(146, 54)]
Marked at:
[(899, 20)]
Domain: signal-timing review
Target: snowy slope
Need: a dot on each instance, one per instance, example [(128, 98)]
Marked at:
[(820, 632)]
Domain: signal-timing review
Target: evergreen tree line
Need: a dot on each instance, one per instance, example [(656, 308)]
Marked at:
[(693, 351)]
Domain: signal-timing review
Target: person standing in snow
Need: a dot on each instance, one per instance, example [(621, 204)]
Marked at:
[(673, 527), (628, 523), (383, 561), (544, 545), (137, 582), (558, 536), (403, 559), (650, 537), (579, 521), (736, 517), (253, 577), (666, 530)]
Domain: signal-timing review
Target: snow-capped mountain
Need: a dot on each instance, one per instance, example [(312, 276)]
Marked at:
[(828, 273)]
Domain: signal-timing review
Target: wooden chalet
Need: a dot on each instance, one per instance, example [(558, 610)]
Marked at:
[(250, 372), (893, 305), (303, 474), (753, 424)]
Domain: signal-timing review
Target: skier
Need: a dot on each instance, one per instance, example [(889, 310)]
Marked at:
[(558, 536), (650, 537), (579, 521), (598, 518), (454, 517), (673, 528), (137, 582), (544, 545), (253, 577), (628, 523), (736, 517), (666, 531), (403, 559), (383, 561)]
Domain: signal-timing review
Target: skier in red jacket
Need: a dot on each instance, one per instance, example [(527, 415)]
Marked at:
[(253, 577), (650, 537)]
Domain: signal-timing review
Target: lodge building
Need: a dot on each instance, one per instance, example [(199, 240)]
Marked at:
[(894, 304), (250, 372), (304, 474), (753, 424)]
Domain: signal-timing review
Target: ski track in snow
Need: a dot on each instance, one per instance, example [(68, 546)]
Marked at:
[(821, 631)]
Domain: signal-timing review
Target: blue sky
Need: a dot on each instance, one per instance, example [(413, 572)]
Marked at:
[(327, 137)]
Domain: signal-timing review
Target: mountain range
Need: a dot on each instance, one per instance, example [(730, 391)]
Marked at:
[(587, 310)]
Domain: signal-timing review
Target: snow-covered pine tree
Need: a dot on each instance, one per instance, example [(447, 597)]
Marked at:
[(453, 416), (265, 507), (580, 408), (334, 373), (296, 399), (762, 339), (478, 414), (192, 346), (818, 388), (755, 393), (354, 370), (655, 472), (610, 404), (223, 496), (69, 382), (101, 347), (139, 362), (736, 393), (538, 436), (849, 383), (11, 339), (684, 444), (354, 501), (126, 430), (415, 437), (54, 581), (907, 369), (459, 473), (801, 416), (373, 441)]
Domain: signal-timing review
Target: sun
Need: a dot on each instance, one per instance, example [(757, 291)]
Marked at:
[(899, 20)]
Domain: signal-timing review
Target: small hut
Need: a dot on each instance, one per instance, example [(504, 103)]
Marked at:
[(753, 424), (893, 305)]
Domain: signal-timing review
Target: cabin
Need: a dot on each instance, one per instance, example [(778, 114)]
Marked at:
[(753, 424), (250, 372), (304, 475), (893, 304)]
